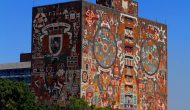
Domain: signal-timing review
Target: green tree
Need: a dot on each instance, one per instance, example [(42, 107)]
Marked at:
[(80, 104), (17, 96), (77, 104)]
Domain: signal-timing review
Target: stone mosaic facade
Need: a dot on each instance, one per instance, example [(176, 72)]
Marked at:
[(106, 55)]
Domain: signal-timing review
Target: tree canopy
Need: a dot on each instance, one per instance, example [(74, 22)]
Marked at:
[(17, 96)]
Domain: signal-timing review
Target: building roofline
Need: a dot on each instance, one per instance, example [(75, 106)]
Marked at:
[(106, 8), (152, 21), (74, 1)]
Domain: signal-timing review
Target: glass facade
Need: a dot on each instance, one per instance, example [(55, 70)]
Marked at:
[(20, 74)]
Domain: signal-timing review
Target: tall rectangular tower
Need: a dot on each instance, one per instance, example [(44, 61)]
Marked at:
[(105, 55), (56, 51)]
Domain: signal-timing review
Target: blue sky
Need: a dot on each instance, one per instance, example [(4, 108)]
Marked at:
[(15, 38)]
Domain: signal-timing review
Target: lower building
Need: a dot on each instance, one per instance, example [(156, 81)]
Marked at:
[(16, 71), (20, 71)]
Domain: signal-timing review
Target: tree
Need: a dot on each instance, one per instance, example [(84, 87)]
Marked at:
[(17, 96), (80, 104), (77, 104)]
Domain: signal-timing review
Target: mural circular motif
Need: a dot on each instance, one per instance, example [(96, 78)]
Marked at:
[(105, 47), (150, 57)]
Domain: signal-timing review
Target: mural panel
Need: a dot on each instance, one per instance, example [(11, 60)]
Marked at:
[(152, 67), (56, 51), (108, 77), (124, 60)]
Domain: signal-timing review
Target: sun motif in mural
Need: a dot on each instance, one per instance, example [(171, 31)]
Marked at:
[(150, 57), (105, 47)]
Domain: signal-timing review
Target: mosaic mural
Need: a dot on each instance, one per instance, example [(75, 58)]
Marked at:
[(108, 57), (56, 52), (152, 67), (124, 60)]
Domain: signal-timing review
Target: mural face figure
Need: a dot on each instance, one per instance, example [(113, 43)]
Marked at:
[(110, 90), (116, 71), (104, 80), (84, 77), (105, 47), (55, 44)]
